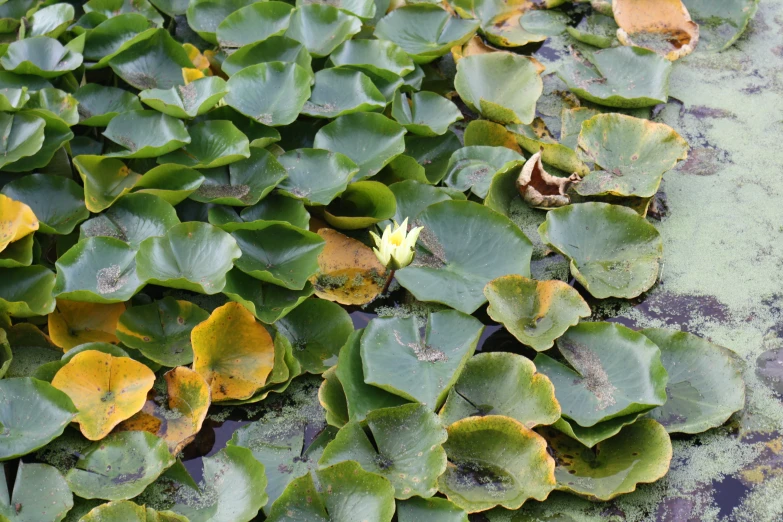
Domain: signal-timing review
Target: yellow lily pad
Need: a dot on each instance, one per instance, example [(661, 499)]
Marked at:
[(233, 352), (105, 389), (73, 323), (663, 26), (348, 271), (16, 221)]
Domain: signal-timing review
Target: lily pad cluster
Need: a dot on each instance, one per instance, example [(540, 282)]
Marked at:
[(189, 192)]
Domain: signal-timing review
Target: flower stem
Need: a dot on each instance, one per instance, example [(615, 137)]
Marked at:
[(388, 282)]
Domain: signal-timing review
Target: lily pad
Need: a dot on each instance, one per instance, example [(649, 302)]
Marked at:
[(418, 366), (146, 134), (161, 330), (432, 509), (348, 270), (640, 453), (128, 511), (403, 445), (316, 176), (105, 389), (74, 323), (105, 180), (414, 197), (502, 22), (132, 219), (273, 49), (233, 352), (19, 253), (156, 62), (665, 27), (52, 20), (205, 16), (630, 155), (32, 348), (192, 256), (186, 101), (597, 433), (463, 247), (172, 183), (424, 31), (380, 58), (472, 167), (268, 302), (482, 473), (432, 153), (332, 399), (339, 493), (271, 93), (254, 23), (721, 23), (98, 270), (32, 413), (424, 113), (14, 90), (119, 467), (242, 183), (340, 91), (59, 103), (624, 263), (213, 144), (501, 383), (363, 203), (57, 202), (177, 414), (535, 312), (502, 87), (25, 136), (616, 372), (371, 140), (595, 29), (625, 77), (40, 56), (56, 133), (705, 382), (111, 36), (40, 494), (321, 28), (112, 8)]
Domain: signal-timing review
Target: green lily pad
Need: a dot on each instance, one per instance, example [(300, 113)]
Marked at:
[(624, 263), (24, 136), (414, 197), (266, 301), (105, 180), (254, 23), (705, 382), (278, 207), (640, 453), (232, 490), (721, 22), (146, 134), (321, 28), (463, 247), (363, 203), (535, 312), (424, 31), (213, 144), (277, 252), (597, 433), (56, 133), (171, 7), (630, 155), (545, 22), (501, 22), (52, 20), (424, 113), (186, 101), (340, 91), (571, 125), (40, 56), (260, 135), (502, 87), (361, 8), (398, 358), (120, 466), (57, 202), (128, 511), (40, 494), (616, 372), (332, 399), (271, 93), (191, 256), (98, 270), (154, 62), (431, 509), (32, 349), (501, 383), (316, 176), (19, 253), (161, 330), (482, 473), (244, 182), (595, 29), (339, 493), (58, 103), (472, 168), (403, 444), (317, 330), (112, 36), (273, 49), (172, 183), (15, 90), (32, 413), (26, 291), (381, 58), (6, 356), (99, 104), (371, 140), (625, 77), (205, 16), (112, 8), (132, 219), (361, 398)]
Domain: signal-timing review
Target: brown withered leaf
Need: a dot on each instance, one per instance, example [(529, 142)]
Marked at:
[(541, 189), (663, 26)]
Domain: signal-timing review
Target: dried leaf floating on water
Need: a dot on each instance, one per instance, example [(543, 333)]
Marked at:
[(541, 189)]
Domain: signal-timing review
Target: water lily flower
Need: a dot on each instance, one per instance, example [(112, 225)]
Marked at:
[(395, 248)]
